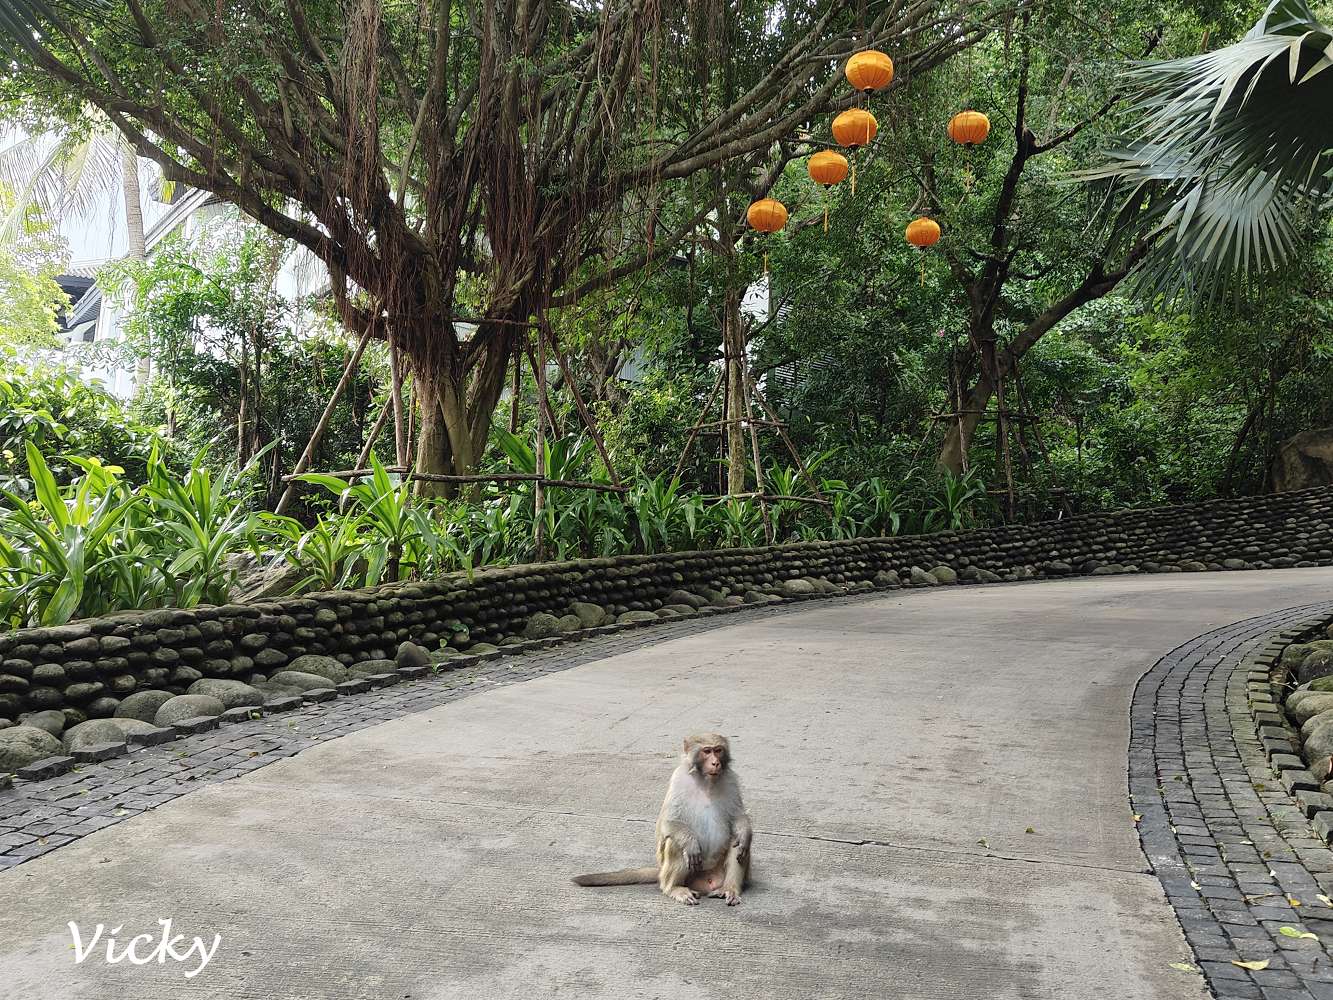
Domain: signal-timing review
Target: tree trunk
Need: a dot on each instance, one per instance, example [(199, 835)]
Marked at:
[(434, 456), (456, 417), (135, 246), (242, 413), (959, 438)]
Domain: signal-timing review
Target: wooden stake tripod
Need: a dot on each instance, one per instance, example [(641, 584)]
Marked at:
[(739, 393), (1009, 422)]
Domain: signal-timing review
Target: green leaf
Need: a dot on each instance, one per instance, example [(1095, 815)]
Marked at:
[(44, 486), (331, 483)]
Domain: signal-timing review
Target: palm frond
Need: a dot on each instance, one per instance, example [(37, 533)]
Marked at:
[(64, 176), (1229, 158)]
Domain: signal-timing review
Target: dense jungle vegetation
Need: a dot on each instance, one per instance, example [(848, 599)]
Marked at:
[(497, 198)]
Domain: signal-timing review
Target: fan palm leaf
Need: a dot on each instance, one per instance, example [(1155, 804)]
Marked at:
[(1229, 157), (67, 175)]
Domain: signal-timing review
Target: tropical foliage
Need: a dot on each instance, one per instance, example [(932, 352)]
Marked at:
[(99, 544), (1035, 363), (62, 412), (1228, 159), (30, 257)]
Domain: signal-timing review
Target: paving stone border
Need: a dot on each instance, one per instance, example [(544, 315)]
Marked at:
[(1234, 850), (42, 812)]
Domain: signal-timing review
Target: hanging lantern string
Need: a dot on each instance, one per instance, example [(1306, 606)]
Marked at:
[(921, 233), (968, 129), (853, 129), (867, 71)]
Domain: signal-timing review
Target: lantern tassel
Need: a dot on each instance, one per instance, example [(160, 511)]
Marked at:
[(826, 211), (853, 176)]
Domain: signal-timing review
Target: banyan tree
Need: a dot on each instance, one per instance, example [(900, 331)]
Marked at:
[(451, 159)]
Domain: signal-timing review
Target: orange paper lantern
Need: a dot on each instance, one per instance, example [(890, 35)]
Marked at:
[(923, 232), (855, 128), (767, 215), (870, 70), (969, 128), (827, 167)]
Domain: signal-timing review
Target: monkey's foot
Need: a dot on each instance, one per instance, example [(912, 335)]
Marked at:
[(732, 898), (682, 895)]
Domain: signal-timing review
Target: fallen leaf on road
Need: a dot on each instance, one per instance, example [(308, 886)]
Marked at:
[(1183, 967), (1292, 932), (1252, 966), (1324, 899)]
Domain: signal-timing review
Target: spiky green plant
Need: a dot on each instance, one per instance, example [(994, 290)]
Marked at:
[(53, 549)]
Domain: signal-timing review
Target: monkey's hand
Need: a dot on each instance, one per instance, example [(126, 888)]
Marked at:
[(694, 854), (688, 846), (741, 836)]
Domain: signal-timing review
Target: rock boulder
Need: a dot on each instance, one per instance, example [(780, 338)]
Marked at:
[(24, 745), (143, 705), (321, 666), (95, 731), (187, 706), (232, 694), (1303, 461)]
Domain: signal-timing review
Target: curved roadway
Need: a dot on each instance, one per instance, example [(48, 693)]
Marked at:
[(937, 778)]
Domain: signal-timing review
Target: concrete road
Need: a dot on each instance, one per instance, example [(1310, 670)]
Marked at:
[(937, 778)]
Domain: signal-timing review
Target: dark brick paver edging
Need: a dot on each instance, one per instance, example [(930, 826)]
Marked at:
[(1249, 878), (47, 811)]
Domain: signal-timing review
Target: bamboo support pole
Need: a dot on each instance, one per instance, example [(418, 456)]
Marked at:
[(362, 458), (508, 477), (515, 389), (791, 446), (774, 498), (543, 400), (746, 387), (578, 402), (694, 431), (303, 463), (539, 492), (396, 389)]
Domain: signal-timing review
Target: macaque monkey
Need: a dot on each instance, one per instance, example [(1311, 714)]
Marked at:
[(703, 833)]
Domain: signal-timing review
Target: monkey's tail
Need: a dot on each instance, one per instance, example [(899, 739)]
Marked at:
[(626, 876)]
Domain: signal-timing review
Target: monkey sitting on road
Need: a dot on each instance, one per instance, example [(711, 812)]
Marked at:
[(703, 833)]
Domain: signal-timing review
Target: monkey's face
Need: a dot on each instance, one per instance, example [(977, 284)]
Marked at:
[(710, 761), (708, 754)]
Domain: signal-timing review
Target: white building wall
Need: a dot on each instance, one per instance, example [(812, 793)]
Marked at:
[(101, 237)]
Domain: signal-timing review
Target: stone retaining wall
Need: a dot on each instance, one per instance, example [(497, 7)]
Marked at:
[(1289, 694), (87, 667)]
